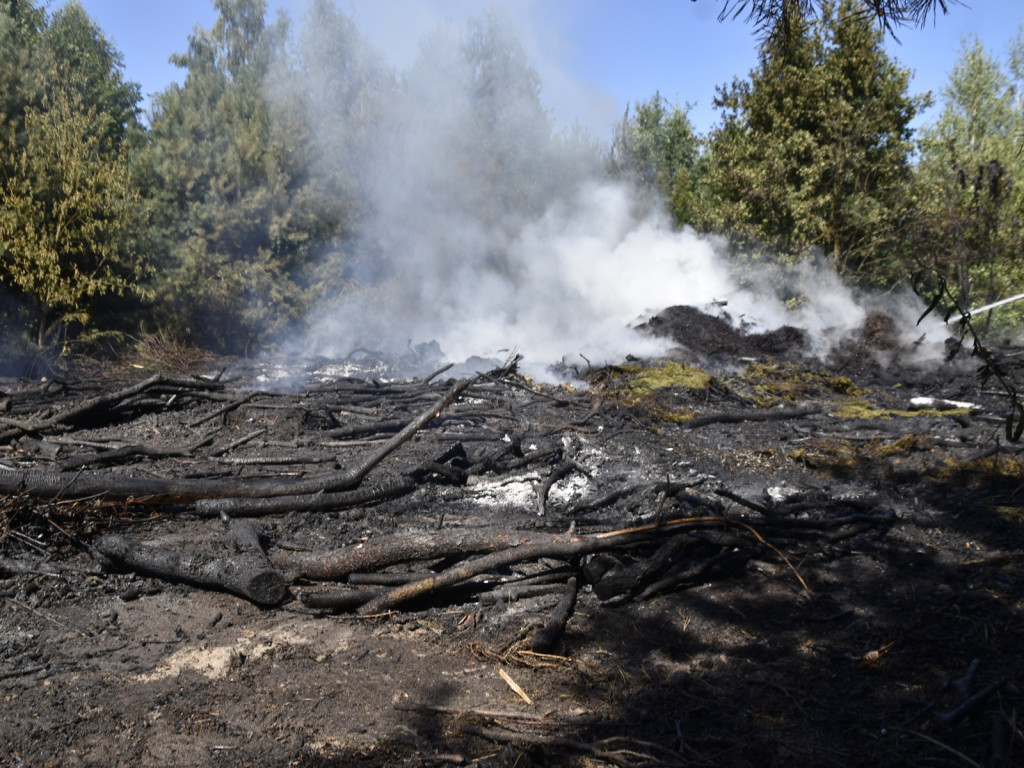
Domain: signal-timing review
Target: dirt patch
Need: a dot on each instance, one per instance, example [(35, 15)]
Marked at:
[(877, 588)]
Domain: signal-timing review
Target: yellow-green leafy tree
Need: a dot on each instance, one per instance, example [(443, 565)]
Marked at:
[(68, 205)]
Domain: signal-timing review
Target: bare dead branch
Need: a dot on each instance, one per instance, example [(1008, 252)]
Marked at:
[(179, 491), (105, 400), (545, 638), (735, 417), (951, 718)]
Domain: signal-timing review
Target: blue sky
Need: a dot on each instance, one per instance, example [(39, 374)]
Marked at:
[(594, 56)]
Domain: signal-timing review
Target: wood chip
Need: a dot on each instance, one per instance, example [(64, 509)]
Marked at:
[(515, 686)]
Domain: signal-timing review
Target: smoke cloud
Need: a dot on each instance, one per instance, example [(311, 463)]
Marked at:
[(486, 231)]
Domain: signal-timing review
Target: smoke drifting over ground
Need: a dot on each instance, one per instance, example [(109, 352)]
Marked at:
[(486, 232)]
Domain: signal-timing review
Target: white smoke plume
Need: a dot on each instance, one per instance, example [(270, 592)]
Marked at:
[(487, 232)]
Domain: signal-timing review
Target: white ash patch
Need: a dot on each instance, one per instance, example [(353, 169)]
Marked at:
[(521, 491), (569, 490), (284, 374), (518, 492)]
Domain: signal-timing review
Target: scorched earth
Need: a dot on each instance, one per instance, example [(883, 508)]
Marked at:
[(737, 555)]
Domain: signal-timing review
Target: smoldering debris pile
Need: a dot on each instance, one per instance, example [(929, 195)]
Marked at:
[(774, 533)]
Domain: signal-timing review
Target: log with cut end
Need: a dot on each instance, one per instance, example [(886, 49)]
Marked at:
[(248, 574)]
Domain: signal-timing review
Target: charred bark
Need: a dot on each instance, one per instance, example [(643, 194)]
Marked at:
[(106, 400), (247, 574), (544, 639), (182, 491)]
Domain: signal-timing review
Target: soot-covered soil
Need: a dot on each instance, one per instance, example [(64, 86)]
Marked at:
[(805, 568)]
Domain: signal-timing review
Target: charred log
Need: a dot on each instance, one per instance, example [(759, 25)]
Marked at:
[(247, 574)]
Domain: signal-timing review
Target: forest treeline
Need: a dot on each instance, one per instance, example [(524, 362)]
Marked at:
[(256, 187)]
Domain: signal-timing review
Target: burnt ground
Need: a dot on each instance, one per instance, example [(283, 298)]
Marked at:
[(824, 576)]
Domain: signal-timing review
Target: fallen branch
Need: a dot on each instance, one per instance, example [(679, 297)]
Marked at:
[(337, 599), (12, 567), (545, 638), (116, 455), (559, 546), (384, 551), (735, 417), (508, 593), (556, 474), (310, 502), (104, 401), (247, 574), (951, 718), (724, 562), (181, 491), (620, 581), (224, 409)]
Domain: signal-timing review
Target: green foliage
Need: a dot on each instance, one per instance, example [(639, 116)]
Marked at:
[(21, 29), (969, 186), (87, 57), (68, 204), (656, 149), (813, 151), (230, 169), (259, 170), (776, 18)]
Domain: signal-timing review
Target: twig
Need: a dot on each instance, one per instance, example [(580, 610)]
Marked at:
[(239, 442), (619, 757), (951, 718), (964, 684), (937, 743), (516, 688), (226, 408), (545, 638), (23, 671), (734, 417), (553, 477)]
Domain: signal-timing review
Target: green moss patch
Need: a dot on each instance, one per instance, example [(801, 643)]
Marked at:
[(650, 388), (843, 456), (861, 409), (770, 384), (669, 375)]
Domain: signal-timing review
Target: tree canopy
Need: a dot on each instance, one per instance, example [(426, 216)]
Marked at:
[(268, 177), (969, 188), (657, 150), (231, 179), (68, 203), (778, 18), (814, 149)]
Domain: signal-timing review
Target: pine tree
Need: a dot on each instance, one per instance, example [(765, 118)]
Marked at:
[(761, 154), (864, 170), (813, 151), (231, 172), (970, 182)]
